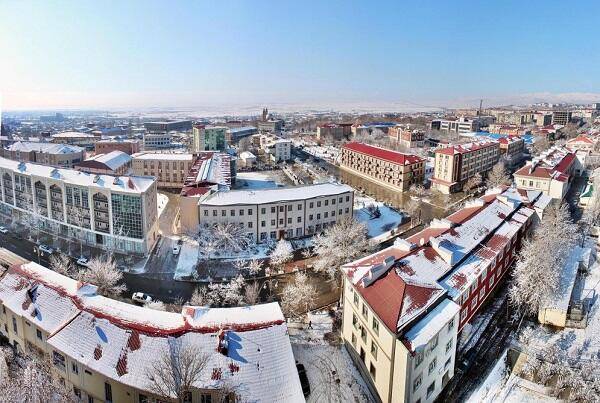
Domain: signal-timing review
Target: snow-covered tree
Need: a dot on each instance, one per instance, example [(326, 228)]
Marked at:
[(226, 294), (298, 296), (413, 208), (199, 297), (339, 244), (252, 293), (282, 253), (498, 176), (473, 183), (215, 240), (536, 273), (104, 274), (176, 370), (63, 264), (418, 190), (253, 267)]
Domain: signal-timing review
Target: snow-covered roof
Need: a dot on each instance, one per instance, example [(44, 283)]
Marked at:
[(48, 148), (163, 156), (113, 160), (247, 155), (276, 195), (426, 329), (129, 184), (72, 135), (122, 341)]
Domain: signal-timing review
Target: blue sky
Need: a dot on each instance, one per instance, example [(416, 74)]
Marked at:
[(177, 53)]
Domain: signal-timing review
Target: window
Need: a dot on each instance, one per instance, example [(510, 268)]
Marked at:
[(14, 323), (346, 210), (232, 213), (281, 209), (355, 298), (289, 221), (223, 213), (214, 213), (299, 206), (447, 362), (90, 399), (143, 399), (272, 209), (107, 392), (372, 370), (38, 334), (353, 339), (333, 201), (318, 216), (340, 199), (262, 223), (347, 198), (249, 224), (205, 213), (311, 205), (434, 343), (463, 315), (327, 202), (340, 211), (263, 210), (205, 398), (375, 326), (373, 349), (272, 222), (289, 207), (363, 334), (299, 219), (326, 214), (451, 325), (319, 204), (474, 302), (273, 235), (417, 382), (418, 358), (365, 310), (430, 389), (74, 368), (281, 221), (449, 345), (250, 211), (58, 360), (310, 217), (241, 211)]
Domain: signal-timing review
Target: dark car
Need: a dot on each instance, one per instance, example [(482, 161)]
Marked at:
[(303, 379)]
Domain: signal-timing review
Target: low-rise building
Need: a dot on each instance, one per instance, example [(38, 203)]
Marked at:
[(404, 306), (459, 126), (561, 117), (334, 131), (270, 126), (512, 150), (110, 212), (128, 146), (84, 140), (247, 159), (393, 169), (367, 129), (455, 164), (167, 126), (234, 134), (582, 143), (113, 163), (106, 350), (277, 148), (406, 137), (58, 155), (169, 169), (551, 172), (157, 140)]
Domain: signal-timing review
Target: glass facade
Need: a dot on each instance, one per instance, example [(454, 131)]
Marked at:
[(127, 216)]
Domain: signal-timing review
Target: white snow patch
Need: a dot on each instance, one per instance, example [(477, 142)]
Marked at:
[(379, 228), (161, 202)]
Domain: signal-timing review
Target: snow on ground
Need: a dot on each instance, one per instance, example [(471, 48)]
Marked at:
[(493, 383), (188, 257), (472, 331), (378, 228), (256, 180), (330, 370), (161, 201)]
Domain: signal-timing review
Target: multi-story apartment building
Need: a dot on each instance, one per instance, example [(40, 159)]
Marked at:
[(454, 165), (106, 350), (113, 163), (84, 140), (116, 212), (157, 140), (542, 118), (561, 117), (58, 155), (508, 130), (278, 149), (128, 146), (552, 172), (167, 126), (270, 126), (234, 134), (390, 168), (209, 138), (169, 169), (406, 137), (404, 306), (273, 214), (512, 149), (334, 131), (459, 126)]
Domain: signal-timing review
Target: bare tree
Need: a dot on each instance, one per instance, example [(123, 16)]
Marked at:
[(540, 144), (104, 274), (298, 296), (252, 293), (498, 176), (473, 183), (282, 253), (413, 208), (199, 297), (176, 370), (254, 267), (418, 190), (63, 264)]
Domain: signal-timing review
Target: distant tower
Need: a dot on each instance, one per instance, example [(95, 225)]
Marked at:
[(480, 107), (265, 114)]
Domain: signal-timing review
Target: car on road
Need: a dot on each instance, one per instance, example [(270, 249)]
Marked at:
[(142, 297), (83, 261), (176, 250), (46, 249), (3, 230)]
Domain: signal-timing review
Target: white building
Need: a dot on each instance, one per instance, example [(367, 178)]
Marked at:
[(277, 148), (247, 159), (157, 140), (279, 213), (117, 212)]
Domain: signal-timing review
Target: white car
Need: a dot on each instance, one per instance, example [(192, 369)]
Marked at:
[(176, 250), (141, 297), (46, 249), (83, 261), (3, 230)]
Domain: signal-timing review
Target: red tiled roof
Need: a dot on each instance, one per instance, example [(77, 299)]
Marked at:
[(581, 139), (388, 155)]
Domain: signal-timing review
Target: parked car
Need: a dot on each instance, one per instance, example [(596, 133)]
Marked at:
[(176, 250), (303, 379), (3, 230), (83, 261), (46, 249), (142, 297)]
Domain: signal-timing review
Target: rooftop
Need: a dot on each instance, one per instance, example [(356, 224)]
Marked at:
[(163, 156), (113, 160), (553, 163), (466, 148), (382, 153), (48, 148), (72, 135)]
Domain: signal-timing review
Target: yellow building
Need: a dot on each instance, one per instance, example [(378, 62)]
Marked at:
[(104, 349)]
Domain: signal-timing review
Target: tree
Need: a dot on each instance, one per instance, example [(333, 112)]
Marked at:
[(340, 244), (418, 190), (226, 294), (540, 144), (63, 264), (220, 239), (252, 293), (199, 297), (176, 370), (298, 296), (413, 208), (104, 274), (498, 176), (253, 267), (536, 274), (282, 253), (473, 183)]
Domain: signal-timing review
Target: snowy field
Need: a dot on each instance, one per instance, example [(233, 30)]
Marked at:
[(331, 373), (379, 228), (256, 180)]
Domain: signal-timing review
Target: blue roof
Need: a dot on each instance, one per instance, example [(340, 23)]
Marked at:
[(528, 138)]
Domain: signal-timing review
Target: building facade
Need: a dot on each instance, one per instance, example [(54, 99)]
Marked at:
[(105, 350), (180, 125), (393, 169), (276, 148), (169, 169), (334, 131), (84, 140), (281, 213), (116, 212), (128, 146), (512, 150), (561, 117), (406, 137), (157, 140), (114, 163), (459, 126), (58, 155), (454, 165), (405, 306), (211, 138)]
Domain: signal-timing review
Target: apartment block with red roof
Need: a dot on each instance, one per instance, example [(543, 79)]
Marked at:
[(512, 149), (392, 169), (405, 306), (455, 164), (551, 172)]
